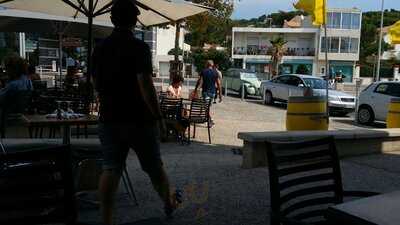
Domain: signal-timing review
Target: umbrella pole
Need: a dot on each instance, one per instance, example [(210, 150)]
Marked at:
[(60, 56), (176, 71), (89, 50)]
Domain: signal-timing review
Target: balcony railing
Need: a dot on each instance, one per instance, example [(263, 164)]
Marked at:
[(255, 50)]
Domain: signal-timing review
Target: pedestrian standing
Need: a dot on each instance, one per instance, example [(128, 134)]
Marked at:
[(219, 82), (129, 108), (207, 80)]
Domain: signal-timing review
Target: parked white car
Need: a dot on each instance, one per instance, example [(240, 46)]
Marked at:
[(374, 101), (281, 87)]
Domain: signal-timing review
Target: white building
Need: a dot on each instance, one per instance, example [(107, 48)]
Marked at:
[(251, 47), (161, 41)]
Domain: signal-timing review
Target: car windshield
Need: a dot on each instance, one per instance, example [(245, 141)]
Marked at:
[(315, 83), (248, 76)]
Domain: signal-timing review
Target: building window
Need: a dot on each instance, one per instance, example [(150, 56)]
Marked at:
[(346, 20), (334, 19), (339, 20), (354, 45), (355, 21), (345, 45), (334, 45)]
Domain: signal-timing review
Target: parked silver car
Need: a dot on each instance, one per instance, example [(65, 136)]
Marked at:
[(235, 79), (281, 87)]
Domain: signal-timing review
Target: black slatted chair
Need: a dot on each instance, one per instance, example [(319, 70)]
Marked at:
[(305, 179), (36, 187), (200, 114), (162, 95), (171, 109)]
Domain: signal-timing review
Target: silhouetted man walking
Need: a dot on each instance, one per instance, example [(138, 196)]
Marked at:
[(129, 109)]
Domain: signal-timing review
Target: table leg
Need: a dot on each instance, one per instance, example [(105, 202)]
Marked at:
[(67, 135)]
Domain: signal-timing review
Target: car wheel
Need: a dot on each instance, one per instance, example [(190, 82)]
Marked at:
[(269, 100), (365, 115)]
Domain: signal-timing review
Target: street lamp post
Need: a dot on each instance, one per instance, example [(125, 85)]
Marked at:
[(378, 65)]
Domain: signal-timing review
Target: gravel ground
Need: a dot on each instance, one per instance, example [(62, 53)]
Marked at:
[(216, 190)]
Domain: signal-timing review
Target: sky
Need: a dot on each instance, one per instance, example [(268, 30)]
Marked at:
[(246, 9)]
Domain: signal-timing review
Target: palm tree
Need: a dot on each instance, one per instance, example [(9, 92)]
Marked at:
[(278, 45)]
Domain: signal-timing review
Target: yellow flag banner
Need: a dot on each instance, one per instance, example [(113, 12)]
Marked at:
[(394, 33), (316, 8)]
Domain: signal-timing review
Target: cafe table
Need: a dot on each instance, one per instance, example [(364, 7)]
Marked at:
[(381, 209), (45, 121)]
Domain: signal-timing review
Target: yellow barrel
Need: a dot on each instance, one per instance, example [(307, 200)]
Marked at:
[(306, 113), (393, 116)]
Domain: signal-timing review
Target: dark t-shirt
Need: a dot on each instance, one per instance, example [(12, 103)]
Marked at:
[(117, 61), (210, 77)]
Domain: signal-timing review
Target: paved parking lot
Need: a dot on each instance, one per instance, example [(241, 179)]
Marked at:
[(234, 115), (216, 190)]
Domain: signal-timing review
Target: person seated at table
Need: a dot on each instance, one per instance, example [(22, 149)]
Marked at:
[(32, 75), (175, 89), (70, 78), (16, 70)]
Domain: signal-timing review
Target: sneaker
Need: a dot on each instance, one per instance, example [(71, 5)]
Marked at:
[(211, 123), (177, 199)]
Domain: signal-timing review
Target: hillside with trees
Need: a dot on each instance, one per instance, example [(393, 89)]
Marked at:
[(369, 41), (215, 27)]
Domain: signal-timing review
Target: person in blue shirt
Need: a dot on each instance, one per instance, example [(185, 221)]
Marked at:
[(16, 70), (209, 82)]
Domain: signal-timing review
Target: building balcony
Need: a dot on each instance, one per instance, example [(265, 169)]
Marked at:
[(268, 51)]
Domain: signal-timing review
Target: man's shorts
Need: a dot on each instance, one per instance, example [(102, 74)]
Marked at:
[(118, 138), (208, 95)]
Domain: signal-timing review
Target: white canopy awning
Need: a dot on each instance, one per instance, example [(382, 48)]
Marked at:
[(152, 12), (12, 20)]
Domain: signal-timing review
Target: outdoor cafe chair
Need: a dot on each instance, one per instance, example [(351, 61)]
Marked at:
[(172, 110), (199, 114), (162, 95), (36, 187), (305, 179)]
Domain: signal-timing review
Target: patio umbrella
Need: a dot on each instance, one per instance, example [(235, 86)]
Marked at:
[(12, 20), (31, 22), (153, 12)]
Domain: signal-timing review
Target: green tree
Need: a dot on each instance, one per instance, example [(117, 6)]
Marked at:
[(370, 38), (172, 51), (200, 56), (211, 27), (278, 45), (277, 19)]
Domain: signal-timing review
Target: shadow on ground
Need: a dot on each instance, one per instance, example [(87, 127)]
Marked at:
[(353, 123), (216, 190)]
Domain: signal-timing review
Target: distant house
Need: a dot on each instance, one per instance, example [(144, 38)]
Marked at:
[(251, 47), (299, 22)]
